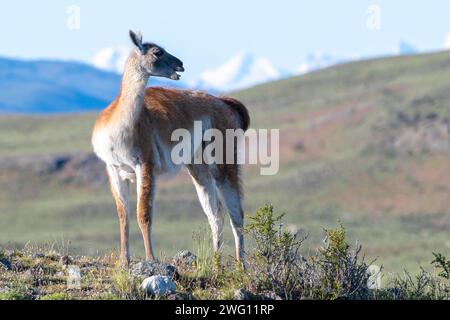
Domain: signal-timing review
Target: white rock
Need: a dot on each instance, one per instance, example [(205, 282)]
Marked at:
[(158, 285)]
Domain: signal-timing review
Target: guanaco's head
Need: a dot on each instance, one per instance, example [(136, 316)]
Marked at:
[(156, 61)]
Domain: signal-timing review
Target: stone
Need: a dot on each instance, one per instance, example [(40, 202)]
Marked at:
[(178, 296), (151, 268), (28, 275), (5, 264), (242, 294), (158, 285), (270, 295), (184, 258)]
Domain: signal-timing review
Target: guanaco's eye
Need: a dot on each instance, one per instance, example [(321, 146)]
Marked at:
[(158, 53)]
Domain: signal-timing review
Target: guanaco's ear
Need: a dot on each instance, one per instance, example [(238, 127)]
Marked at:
[(136, 38)]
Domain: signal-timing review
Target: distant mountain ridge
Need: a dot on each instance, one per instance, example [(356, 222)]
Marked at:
[(46, 86), (242, 70)]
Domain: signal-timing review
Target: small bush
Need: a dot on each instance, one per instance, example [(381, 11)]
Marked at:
[(424, 286), (274, 261), (334, 272), (440, 262), (126, 286), (337, 271)]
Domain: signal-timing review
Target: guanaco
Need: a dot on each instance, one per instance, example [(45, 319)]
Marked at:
[(133, 137)]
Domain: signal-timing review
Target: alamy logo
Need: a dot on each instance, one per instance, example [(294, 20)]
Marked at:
[(73, 21), (373, 21), (210, 146)]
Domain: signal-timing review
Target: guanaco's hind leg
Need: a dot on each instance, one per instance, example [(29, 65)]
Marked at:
[(145, 185), (205, 185), (121, 191), (230, 190)]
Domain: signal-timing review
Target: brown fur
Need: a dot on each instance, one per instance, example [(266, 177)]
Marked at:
[(168, 109), (145, 203), (240, 109)]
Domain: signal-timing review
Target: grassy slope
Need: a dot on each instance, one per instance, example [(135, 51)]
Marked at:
[(398, 207)]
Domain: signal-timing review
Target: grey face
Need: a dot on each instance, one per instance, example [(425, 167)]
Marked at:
[(155, 60)]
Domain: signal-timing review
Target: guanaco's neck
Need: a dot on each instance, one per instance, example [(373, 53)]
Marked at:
[(134, 82)]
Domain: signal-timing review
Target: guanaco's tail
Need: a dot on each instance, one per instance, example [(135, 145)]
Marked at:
[(237, 106)]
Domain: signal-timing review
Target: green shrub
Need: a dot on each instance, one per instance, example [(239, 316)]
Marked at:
[(423, 286), (274, 260), (126, 286), (206, 259), (440, 262), (333, 272)]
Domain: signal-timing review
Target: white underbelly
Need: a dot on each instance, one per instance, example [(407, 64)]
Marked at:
[(122, 156), (114, 153)]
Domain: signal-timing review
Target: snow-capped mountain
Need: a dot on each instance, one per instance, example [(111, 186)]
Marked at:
[(405, 48), (111, 59), (240, 71), (318, 61), (446, 44)]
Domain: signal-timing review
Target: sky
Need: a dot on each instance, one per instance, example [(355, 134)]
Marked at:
[(205, 33)]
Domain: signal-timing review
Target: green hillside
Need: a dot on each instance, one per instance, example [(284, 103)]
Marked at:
[(365, 143)]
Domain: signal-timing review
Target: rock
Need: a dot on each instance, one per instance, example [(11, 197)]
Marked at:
[(151, 268), (28, 275), (242, 294), (5, 264), (184, 258), (270, 295), (158, 285), (178, 296)]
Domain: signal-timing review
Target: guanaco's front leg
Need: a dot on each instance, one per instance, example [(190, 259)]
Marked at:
[(145, 202), (121, 191)]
